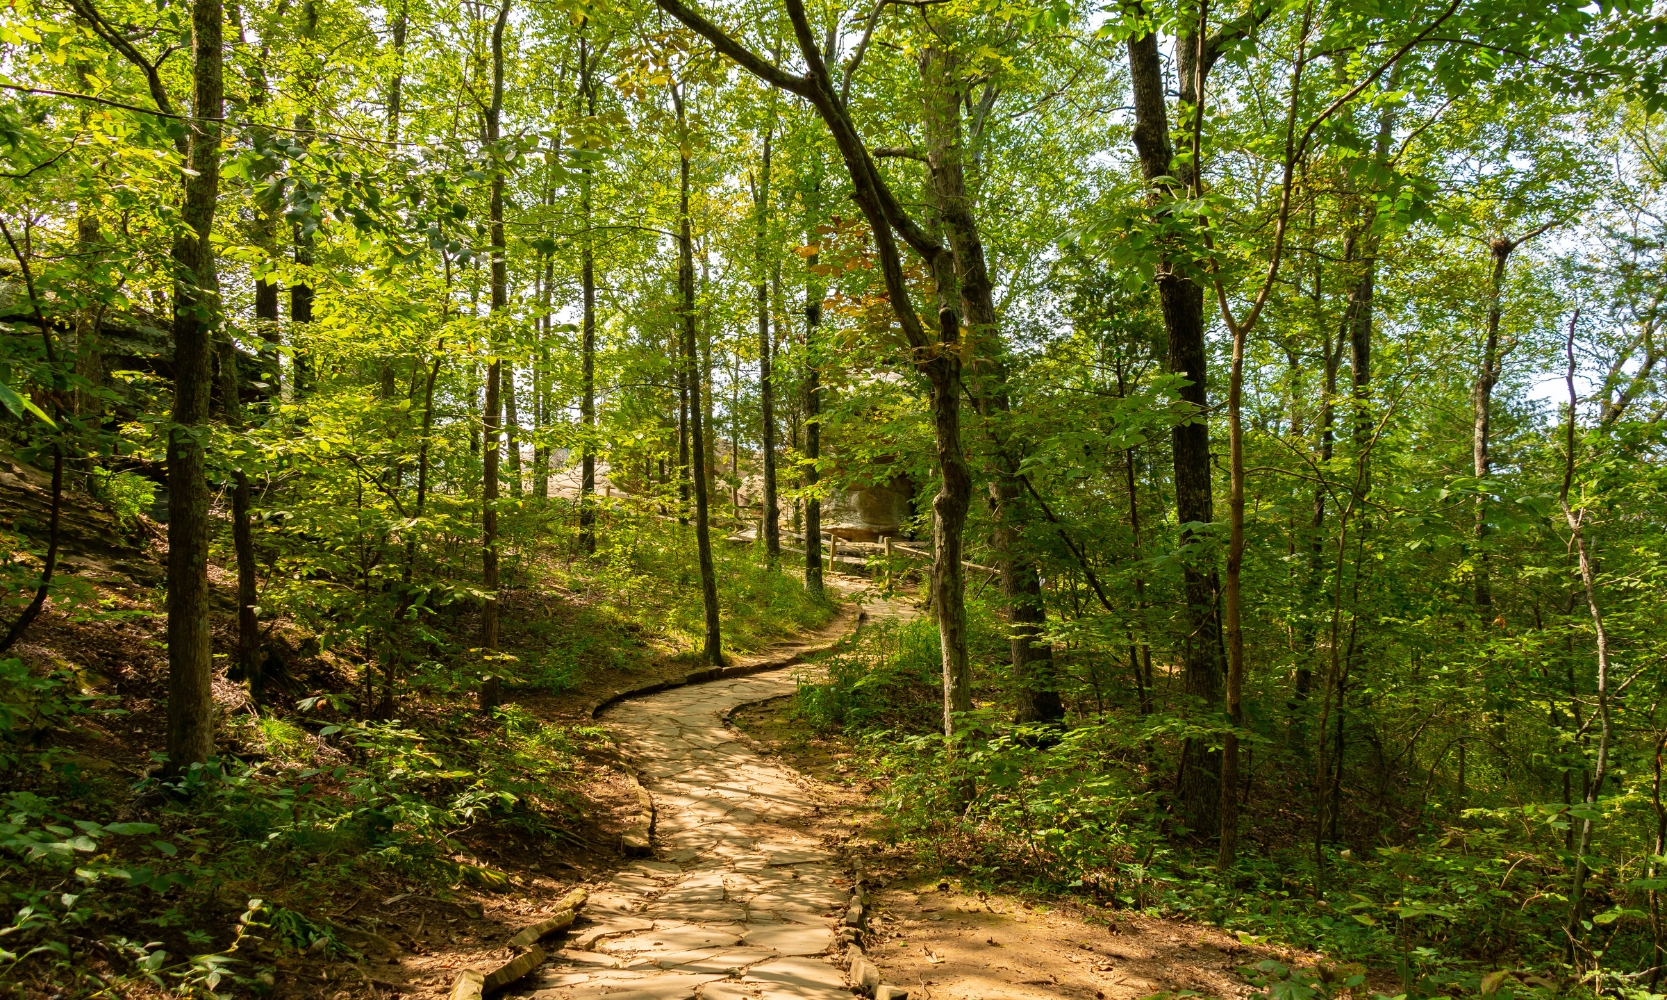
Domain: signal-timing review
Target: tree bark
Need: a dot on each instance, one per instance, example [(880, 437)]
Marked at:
[(541, 388), (1183, 317), (812, 405), (1481, 405), (770, 519), (1573, 930), (692, 377), (190, 651), (492, 410), (682, 425), (1228, 845), (301, 293), (587, 349), (1140, 654), (512, 431), (248, 662), (1036, 694)]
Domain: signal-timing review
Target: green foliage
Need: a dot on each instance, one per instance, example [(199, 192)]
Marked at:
[(128, 493), (352, 797)]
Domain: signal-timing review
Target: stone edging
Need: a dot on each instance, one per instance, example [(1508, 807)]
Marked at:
[(720, 673), (472, 984), (863, 974), (636, 840)]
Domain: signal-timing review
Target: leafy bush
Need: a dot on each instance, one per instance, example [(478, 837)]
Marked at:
[(128, 493), (890, 677)]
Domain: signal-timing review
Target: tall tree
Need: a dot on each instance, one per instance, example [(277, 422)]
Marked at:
[(936, 353), (770, 517), (1183, 319), (809, 473), (196, 312), (587, 321), (492, 412), (692, 378)]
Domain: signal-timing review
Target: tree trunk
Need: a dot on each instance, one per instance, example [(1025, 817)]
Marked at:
[(190, 650), (1183, 318), (512, 432), (813, 414), (682, 426), (396, 86), (267, 325), (1140, 654), (770, 519), (1228, 845), (703, 339), (301, 293), (1036, 693), (248, 665), (587, 349), (1481, 404), (692, 377), (1573, 930), (541, 388), (493, 408)]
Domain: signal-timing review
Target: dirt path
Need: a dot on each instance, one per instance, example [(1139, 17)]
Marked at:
[(741, 899)]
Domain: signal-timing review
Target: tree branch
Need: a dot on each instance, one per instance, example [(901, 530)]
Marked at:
[(744, 57)]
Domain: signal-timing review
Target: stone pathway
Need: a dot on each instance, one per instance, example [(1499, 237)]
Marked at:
[(738, 903)]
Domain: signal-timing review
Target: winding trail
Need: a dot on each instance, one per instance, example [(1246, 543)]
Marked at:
[(740, 900)]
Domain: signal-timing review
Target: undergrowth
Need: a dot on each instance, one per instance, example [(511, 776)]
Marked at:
[(1078, 809), (197, 884), (646, 574)]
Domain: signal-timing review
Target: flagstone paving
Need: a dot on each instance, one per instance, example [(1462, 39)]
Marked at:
[(738, 903)]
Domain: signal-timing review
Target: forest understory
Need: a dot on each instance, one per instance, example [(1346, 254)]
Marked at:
[(318, 856), (1259, 405)]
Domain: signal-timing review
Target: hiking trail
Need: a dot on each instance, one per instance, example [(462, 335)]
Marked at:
[(740, 900)]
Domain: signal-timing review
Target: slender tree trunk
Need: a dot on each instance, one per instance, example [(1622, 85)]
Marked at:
[(587, 350), (493, 408), (1481, 403), (512, 431), (1228, 846), (541, 387), (1140, 654), (301, 293), (248, 664), (49, 565), (396, 86), (1573, 930), (1183, 316), (770, 519), (682, 426), (812, 422), (692, 377), (190, 651), (267, 325), (703, 340)]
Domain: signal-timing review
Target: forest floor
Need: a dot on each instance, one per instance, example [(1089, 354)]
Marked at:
[(758, 839), (760, 827), (941, 939)]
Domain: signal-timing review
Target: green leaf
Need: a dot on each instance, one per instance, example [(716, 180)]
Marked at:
[(20, 405), (132, 829)]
